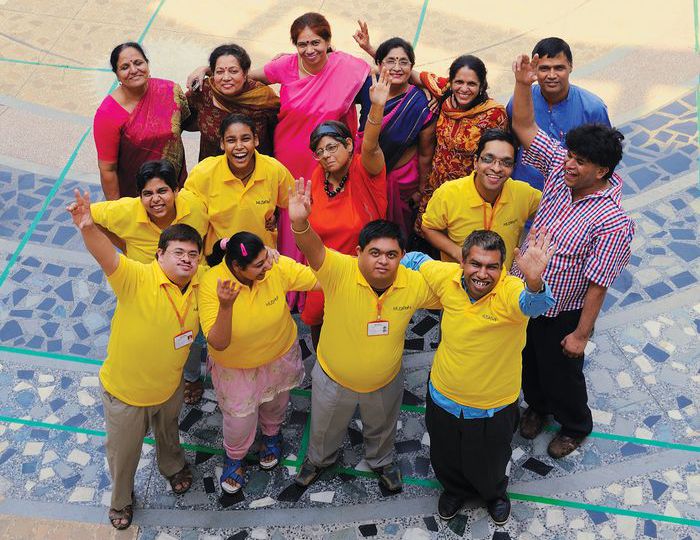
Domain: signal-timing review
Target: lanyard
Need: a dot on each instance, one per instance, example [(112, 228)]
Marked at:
[(180, 318), (487, 224), (380, 303)]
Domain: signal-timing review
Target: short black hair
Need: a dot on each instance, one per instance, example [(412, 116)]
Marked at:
[(599, 144), (330, 128), (486, 240), (392, 43), (180, 232), (381, 228), (114, 57), (236, 118), (230, 49), (496, 135), (160, 168), (551, 47)]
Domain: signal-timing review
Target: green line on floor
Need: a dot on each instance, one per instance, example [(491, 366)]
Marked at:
[(49, 64), (421, 20), (637, 440), (53, 356), (411, 480)]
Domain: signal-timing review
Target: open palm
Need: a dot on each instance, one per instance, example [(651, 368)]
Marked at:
[(80, 210), (299, 208)]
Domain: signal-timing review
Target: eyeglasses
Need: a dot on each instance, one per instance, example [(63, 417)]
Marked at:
[(489, 159), (403, 63), (182, 254), (330, 149)]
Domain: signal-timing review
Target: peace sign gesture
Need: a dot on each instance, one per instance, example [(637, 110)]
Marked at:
[(525, 70)]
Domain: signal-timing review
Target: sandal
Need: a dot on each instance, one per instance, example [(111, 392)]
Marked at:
[(193, 392), (229, 472), (271, 446), (308, 474), (126, 513), (390, 477), (182, 479)]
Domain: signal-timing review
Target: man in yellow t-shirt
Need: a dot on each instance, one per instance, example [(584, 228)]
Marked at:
[(369, 302), (471, 404), (155, 322), (134, 225), (486, 199)]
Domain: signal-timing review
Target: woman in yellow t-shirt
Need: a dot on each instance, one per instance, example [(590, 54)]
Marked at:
[(256, 358)]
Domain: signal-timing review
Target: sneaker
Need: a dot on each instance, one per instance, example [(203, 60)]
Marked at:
[(562, 445), (531, 424), (499, 510), (449, 506)]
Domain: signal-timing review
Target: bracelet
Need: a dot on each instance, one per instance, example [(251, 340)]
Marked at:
[(373, 122), (308, 226)]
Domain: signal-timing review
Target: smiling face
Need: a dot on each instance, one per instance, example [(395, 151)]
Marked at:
[(482, 270), (399, 65), (312, 48), (158, 199), (492, 168), (132, 69), (582, 175), (379, 261), (553, 77), (239, 145), (228, 76), (179, 261), (465, 87), (255, 271), (333, 155)]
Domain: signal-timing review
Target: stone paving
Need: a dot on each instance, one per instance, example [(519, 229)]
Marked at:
[(637, 476)]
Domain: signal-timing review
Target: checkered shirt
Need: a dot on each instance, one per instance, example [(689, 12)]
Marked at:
[(592, 235)]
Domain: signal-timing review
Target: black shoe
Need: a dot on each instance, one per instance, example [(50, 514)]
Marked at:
[(390, 477), (499, 510), (449, 506)]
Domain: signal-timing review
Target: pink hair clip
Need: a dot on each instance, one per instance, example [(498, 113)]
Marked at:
[(223, 242), (244, 252)]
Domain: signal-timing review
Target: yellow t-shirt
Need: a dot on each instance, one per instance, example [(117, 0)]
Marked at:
[(142, 367), (127, 218), (262, 329), (234, 207), (346, 353), (478, 362), (457, 208)]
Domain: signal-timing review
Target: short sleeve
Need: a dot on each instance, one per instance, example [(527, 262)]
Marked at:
[(610, 254), (434, 84), (126, 278), (208, 301), (436, 215), (286, 182), (107, 132), (436, 274), (298, 277), (193, 184), (544, 153), (100, 213), (198, 211), (335, 268), (278, 70), (426, 298)]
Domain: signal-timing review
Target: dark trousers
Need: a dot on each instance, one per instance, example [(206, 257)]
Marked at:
[(469, 457), (552, 382)]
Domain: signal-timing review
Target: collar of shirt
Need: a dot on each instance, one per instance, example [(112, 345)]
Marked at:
[(475, 200), (162, 279), (401, 281), (182, 209), (614, 192)]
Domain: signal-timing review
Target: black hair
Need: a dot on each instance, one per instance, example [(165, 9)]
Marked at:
[(474, 63), (393, 43), (330, 128), (230, 49), (486, 240), (160, 168), (242, 248), (551, 47), (114, 57), (599, 144), (179, 232), (236, 118), (496, 135), (381, 228)]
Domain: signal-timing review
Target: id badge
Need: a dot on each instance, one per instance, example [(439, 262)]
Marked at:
[(184, 339), (378, 328)]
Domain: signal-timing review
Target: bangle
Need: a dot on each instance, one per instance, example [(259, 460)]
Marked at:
[(373, 122), (308, 226)]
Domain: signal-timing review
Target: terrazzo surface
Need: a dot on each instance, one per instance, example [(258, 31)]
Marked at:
[(637, 476)]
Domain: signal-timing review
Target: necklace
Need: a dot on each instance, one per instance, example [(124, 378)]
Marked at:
[(333, 192), (301, 64)]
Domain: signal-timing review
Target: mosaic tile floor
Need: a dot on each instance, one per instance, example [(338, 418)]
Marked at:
[(637, 476)]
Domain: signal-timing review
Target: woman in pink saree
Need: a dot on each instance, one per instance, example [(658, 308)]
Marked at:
[(140, 121)]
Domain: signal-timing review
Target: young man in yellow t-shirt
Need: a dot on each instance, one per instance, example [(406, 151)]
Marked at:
[(486, 199), (155, 322), (369, 302), (471, 404)]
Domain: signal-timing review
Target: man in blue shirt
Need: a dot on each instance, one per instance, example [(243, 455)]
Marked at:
[(559, 106)]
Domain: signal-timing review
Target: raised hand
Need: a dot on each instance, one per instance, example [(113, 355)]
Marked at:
[(272, 255), (525, 70), (227, 290), (361, 36), (80, 210), (196, 78), (299, 208), (534, 261), (379, 91)]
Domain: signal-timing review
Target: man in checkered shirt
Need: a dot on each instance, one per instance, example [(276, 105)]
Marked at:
[(581, 208)]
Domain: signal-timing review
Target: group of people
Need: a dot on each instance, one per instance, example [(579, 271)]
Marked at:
[(298, 203)]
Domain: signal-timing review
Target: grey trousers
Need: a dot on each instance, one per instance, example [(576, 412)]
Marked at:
[(332, 408), (127, 425)]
